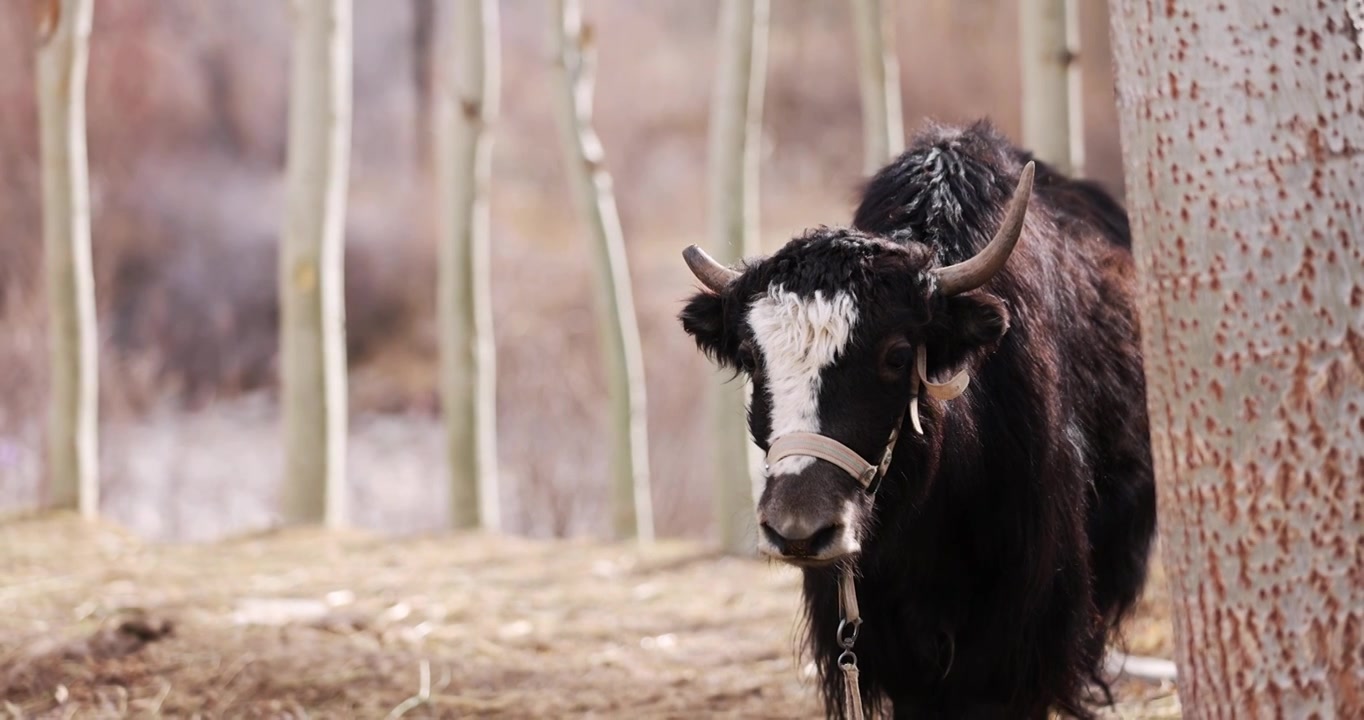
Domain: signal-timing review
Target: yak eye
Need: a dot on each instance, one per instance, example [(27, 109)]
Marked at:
[(747, 361), (897, 358)]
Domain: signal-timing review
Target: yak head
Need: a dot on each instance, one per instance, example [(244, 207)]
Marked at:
[(828, 331)]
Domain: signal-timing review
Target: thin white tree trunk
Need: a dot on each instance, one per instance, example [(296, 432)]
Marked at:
[(1243, 135), (73, 443), (468, 358), (425, 41), (1053, 100), (572, 56), (878, 74), (735, 148), (311, 274)]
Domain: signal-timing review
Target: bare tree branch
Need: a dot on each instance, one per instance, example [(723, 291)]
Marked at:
[(469, 105), (572, 56), (735, 146), (311, 275), (63, 28)]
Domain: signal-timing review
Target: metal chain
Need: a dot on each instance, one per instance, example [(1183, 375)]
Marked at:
[(849, 626)]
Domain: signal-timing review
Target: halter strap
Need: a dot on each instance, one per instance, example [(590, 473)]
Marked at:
[(949, 390), (823, 447)]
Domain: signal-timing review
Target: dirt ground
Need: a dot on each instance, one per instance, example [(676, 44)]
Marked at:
[(305, 623)]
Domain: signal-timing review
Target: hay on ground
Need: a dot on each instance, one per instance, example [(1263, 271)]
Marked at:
[(305, 623)]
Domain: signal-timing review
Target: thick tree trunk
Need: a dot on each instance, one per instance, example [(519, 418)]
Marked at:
[(878, 74), (573, 58), (1243, 134), (735, 147), (468, 359), (311, 280), (1053, 103), (73, 448)]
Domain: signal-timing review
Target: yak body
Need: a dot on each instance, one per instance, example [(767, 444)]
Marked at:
[(997, 592), (1007, 542)]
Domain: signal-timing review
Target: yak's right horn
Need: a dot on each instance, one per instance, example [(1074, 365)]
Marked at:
[(713, 275)]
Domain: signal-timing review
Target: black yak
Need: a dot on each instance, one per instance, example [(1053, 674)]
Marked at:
[(1008, 537)]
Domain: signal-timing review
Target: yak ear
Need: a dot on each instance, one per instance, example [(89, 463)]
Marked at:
[(965, 328), (704, 318)]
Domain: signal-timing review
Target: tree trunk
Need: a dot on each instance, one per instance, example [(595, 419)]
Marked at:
[(735, 147), (468, 359), (1053, 101), (878, 74), (311, 280), (1243, 135), (424, 41), (572, 56), (73, 444)]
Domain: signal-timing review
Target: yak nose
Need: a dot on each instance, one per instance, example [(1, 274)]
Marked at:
[(798, 536)]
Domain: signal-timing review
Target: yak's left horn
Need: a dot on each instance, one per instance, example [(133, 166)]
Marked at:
[(713, 275), (970, 274)]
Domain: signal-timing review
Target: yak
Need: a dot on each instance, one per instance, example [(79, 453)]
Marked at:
[(1000, 543)]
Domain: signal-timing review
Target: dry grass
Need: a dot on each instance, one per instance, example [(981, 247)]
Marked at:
[(94, 623)]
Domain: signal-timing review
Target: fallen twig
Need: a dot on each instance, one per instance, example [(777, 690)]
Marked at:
[(422, 697), (1149, 669)]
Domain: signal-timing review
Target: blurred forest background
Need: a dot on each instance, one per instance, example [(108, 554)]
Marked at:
[(187, 129)]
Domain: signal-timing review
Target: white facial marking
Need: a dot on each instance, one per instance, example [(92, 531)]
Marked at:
[(798, 337)]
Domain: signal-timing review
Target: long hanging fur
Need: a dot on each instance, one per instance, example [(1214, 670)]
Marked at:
[(1048, 465)]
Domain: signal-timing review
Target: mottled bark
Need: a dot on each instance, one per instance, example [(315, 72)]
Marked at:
[(311, 280), (572, 57), (63, 28), (878, 74), (735, 145), (1053, 101), (468, 359), (1243, 134)]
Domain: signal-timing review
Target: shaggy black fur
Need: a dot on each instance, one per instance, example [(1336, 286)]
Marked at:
[(1008, 542)]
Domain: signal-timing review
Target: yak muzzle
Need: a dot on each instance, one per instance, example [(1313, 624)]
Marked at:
[(810, 518)]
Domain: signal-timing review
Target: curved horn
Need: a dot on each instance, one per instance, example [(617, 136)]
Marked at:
[(713, 275), (976, 271)]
